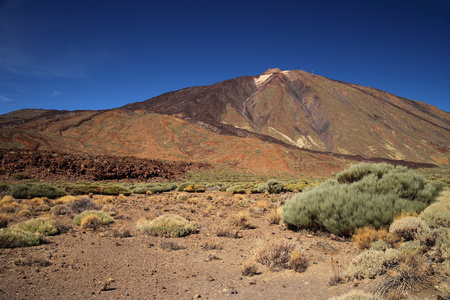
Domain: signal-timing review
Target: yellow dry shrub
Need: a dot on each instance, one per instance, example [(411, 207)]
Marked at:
[(3, 220), (363, 237), (7, 199), (263, 204), (122, 198), (9, 204), (104, 200), (207, 210), (274, 216), (39, 201), (405, 214), (24, 213), (240, 220), (90, 221), (299, 261), (65, 200)]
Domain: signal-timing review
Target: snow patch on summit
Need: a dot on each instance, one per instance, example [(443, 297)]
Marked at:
[(262, 78)]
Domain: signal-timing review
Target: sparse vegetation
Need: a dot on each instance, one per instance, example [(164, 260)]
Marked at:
[(168, 225), (356, 295), (281, 255), (227, 232), (170, 245)]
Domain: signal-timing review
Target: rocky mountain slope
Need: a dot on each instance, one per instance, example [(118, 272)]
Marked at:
[(313, 112), (276, 123)]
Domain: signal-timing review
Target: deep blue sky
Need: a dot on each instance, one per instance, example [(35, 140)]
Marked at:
[(98, 54)]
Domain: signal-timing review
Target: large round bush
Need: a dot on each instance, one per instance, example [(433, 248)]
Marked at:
[(363, 195)]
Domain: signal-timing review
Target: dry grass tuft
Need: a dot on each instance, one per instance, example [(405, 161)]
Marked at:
[(170, 245), (281, 255), (122, 232), (363, 237), (104, 200), (90, 222), (336, 276), (240, 220), (168, 226), (9, 204), (92, 219), (32, 262), (249, 269), (274, 216), (227, 232), (299, 261), (3, 220), (406, 278)]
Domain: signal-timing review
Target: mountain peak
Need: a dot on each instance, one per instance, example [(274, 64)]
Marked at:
[(271, 71)]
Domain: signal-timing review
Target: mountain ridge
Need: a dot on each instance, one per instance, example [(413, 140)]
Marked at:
[(277, 122)]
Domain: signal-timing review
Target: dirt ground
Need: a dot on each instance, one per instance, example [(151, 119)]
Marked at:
[(104, 263)]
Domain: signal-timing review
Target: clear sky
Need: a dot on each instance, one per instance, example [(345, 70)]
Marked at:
[(99, 54)]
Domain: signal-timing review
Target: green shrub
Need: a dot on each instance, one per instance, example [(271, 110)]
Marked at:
[(182, 197), (272, 186), (168, 225), (357, 172), (83, 189), (412, 247), (194, 188), (242, 188), (182, 186), (409, 228), (369, 195), (437, 214), (82, 204), (13, 237), (32, 190), (103, 217), (114, 190), (372, 263), (154, 188), (87, 188), (44, 226), (379, 245)]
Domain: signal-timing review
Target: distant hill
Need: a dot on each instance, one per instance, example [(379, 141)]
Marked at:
[(276, 123)]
